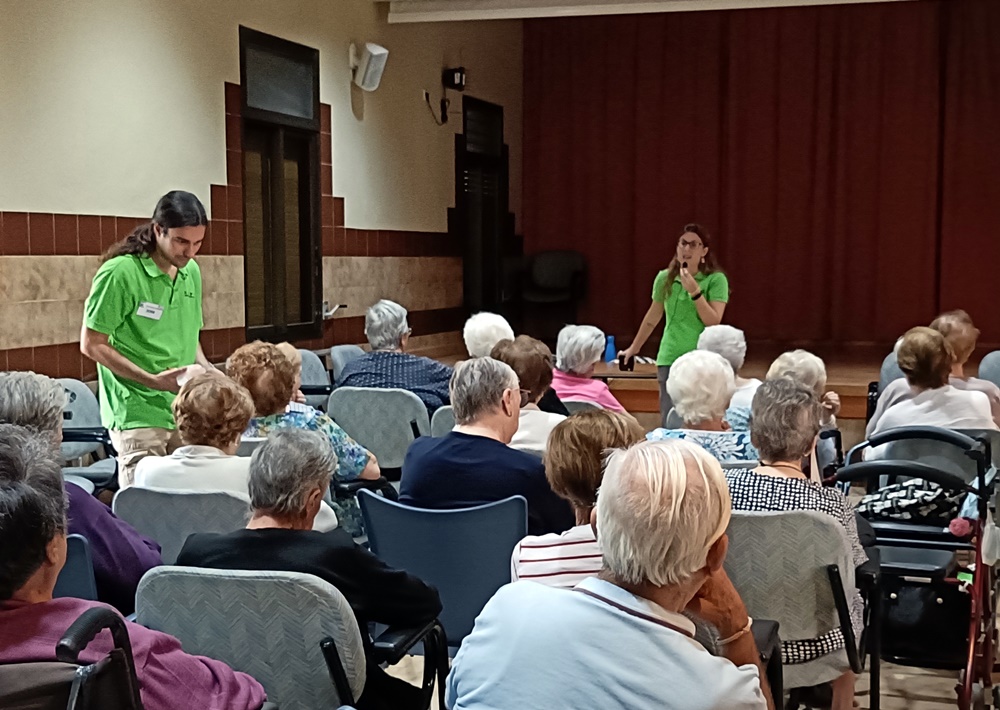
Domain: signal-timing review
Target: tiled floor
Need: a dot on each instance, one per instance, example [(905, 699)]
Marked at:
[(902, 688)]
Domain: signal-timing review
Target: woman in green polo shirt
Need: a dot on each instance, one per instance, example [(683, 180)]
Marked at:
[(141, 325), (693, 291)]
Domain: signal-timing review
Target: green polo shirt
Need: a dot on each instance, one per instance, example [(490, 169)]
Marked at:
[(680, 335), (152, 320)]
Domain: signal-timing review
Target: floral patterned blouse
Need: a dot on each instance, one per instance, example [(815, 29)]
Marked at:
[(723, 445), (352, 457)]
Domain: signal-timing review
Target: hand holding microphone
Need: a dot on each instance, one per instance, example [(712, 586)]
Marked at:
[(688, 281)]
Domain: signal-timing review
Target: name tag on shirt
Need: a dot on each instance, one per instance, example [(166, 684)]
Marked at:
[(150, 310)]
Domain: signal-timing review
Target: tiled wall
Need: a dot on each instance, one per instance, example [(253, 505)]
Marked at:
[(47, 262)]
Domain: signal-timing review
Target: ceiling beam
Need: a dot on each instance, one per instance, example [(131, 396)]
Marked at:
[(403, 11)]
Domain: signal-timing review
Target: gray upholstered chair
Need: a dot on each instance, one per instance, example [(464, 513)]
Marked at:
[(443, 420), (384, 421), (796, 567), (292, 632), (249, 444), (579, 405), (989, 368), (340, 355), (674, 420), (84, 435), (890, 371), (315, 375), (169, 517)]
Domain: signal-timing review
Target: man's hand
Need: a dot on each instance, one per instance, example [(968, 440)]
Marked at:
[(168, 380), (718, 603)]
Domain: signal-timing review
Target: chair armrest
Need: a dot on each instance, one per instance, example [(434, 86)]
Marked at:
[(316, 389), (86, 435), (82, 631), (349, 489), (393, 643), (851, 645)]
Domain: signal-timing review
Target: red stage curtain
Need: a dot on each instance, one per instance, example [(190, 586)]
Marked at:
[(840, 156)]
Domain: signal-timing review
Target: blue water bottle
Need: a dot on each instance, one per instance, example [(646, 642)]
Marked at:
[(610, 352)]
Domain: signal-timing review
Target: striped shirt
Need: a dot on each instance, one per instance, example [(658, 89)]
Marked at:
[(558, 559)]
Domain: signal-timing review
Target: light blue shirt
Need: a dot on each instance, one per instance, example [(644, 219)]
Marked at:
[(594, 647)]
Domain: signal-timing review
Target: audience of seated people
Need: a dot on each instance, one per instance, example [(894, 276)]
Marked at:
[(961, 335), (926, 359), (120, 554), (211, 414), (701, 385), (574, 466), (531, 360), (661, 516), (289, 476), (33, 512), (269, 376), (388, 365), (474, 464), (784, 424), (578, 349), (483, 331), (730, 343)]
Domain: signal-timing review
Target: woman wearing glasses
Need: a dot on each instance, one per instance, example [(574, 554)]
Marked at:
[(693, 292)]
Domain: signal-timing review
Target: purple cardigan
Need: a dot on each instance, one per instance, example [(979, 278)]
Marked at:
[(121, 555), (169, 678)]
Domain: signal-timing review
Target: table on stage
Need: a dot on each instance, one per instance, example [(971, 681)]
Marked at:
[(609, 370)]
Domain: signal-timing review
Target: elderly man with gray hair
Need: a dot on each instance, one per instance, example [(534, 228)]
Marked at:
[(388, 365), (289, 477), (662, 514), (474, 464), (120, 554)]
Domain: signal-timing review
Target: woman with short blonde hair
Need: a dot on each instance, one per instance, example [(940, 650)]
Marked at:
[(212, 413), (574, 467), (270, 377)]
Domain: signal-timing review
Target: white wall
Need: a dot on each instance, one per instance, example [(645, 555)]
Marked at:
[(105, 105)]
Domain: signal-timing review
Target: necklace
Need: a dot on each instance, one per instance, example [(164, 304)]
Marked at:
[(787, 466)]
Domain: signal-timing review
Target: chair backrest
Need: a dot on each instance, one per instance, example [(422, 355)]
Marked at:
[(314, 372), (674, 420), (249, 444), (989, 368), (890, 371), (579, 405), (464, 553), (381, 420), (941, 455), (340, 355), (84, 412), (556, 269), (169, 517), (778, 562), (76, 579), (443, 420), (267, 624)]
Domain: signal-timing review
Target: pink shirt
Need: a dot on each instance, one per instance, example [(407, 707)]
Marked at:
[(575, 388), (169, 678)]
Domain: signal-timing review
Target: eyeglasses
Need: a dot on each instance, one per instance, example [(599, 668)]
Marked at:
[(692, 245)]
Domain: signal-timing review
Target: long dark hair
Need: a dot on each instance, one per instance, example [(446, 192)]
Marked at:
[(175, 209), (709, 267)]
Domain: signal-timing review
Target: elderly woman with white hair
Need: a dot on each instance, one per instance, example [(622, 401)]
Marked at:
[(389, 366), (474, 463), (701, 385), (785, 423), (802, 366), (730, 343), (578, 349), (662, 514), (289, 477)]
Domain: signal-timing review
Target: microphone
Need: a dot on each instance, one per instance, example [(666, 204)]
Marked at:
[(684, 265)]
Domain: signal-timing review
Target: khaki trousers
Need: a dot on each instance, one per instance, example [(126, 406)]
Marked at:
[(133, 445)]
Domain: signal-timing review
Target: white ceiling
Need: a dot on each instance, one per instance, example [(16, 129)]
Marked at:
[(451, 10)]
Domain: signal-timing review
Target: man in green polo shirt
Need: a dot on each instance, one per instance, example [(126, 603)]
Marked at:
[(141, 326)]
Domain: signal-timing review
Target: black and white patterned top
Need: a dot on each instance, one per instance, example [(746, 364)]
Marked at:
[(754, 492)]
